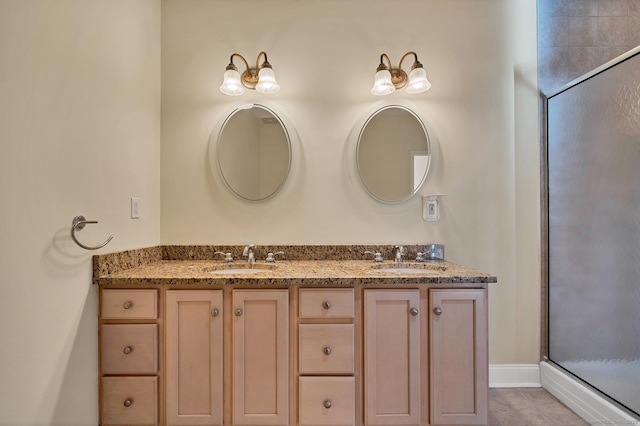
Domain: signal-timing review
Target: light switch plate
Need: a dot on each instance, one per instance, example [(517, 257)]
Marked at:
[(135, 208)]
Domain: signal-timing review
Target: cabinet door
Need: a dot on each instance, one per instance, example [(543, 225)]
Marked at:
[(260, 357), (458, 353), (194, 386), (392, 357)]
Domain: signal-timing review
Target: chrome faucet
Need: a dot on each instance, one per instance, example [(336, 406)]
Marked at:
[(400, 252), (248, 252)]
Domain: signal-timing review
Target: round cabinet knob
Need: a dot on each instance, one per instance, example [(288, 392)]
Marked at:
[(127, 350), (437, 311), (327, 403), (127, 402), (326, 305), (238, 312), (326, 350), (215, 312), (127, 305), (414, 312)]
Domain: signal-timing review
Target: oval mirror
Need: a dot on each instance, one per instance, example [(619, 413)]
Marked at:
[(254, 152), (393, 154)]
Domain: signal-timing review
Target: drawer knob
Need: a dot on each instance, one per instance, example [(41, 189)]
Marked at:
[(326, 305), (238, 312), (437, 311), (127, 350), (128, 402), (414, 312), (327, 403), (215, 312), (326, 350), (127, 305)]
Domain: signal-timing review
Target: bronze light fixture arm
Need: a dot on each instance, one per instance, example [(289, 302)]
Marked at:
[(382, 66), (232, 66), (399, 77), (249, 77), (404, 56)]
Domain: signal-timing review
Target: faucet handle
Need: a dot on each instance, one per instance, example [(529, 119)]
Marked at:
[(377, 256), (228, 258), (420, 257), (271, 257)]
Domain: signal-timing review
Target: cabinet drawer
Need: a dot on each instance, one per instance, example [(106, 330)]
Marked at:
[(327, 401), (129, 348), (326, 348), (129, 401), (129, 304), (326, 303)]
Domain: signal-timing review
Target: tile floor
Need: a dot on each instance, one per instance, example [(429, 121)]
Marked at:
[(529, 407)]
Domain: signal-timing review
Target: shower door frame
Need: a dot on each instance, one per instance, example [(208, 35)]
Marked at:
[(544, 215)]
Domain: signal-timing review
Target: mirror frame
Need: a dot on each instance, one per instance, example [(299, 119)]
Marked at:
[(357, 157), (218, 143)]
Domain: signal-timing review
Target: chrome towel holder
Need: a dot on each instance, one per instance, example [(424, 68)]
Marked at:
[(78, 224)]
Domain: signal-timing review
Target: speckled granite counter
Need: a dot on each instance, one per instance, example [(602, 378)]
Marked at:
[(188, 265)]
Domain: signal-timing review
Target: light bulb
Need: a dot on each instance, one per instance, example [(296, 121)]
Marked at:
[(267, 81), (382, 84), (418, 82), (231, 84)]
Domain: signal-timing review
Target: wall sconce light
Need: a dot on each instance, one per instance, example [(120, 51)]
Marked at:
[(260, 78), (388, 79)]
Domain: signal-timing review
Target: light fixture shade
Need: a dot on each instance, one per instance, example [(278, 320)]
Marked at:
[(418, 82), (231, 84), (267, 81), (382, 84)]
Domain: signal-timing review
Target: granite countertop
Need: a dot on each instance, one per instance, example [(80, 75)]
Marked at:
[(287, 272)]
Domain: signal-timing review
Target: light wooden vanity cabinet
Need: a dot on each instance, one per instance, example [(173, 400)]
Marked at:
[(260, 357), (194, 357), (458, 354), (129, 357), (195, 336), (392, 375), (370, 355), (326, 357)]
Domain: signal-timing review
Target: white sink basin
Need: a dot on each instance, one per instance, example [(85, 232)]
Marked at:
[(237, 271), (410, 268), (407, 270)]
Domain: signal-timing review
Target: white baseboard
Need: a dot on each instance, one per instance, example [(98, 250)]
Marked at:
[(514, 376), (581, 399)]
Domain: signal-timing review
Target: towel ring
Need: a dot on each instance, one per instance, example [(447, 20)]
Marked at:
[(78, 224)]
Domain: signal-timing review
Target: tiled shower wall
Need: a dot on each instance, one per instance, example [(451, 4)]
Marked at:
[(576, 36)]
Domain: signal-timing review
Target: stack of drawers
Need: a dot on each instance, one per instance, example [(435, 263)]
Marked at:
[(326, 357), (129, 357)]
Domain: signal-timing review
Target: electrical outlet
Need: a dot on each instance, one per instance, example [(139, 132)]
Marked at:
[(135, 208), (430, 211)]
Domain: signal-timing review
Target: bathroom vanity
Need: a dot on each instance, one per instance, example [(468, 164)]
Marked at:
[(189, 340)]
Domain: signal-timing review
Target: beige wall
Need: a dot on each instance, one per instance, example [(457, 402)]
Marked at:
[(79, 134), (481, 114)]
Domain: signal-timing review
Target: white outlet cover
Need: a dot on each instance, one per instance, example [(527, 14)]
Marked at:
[(135, 208), (430, 209)]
